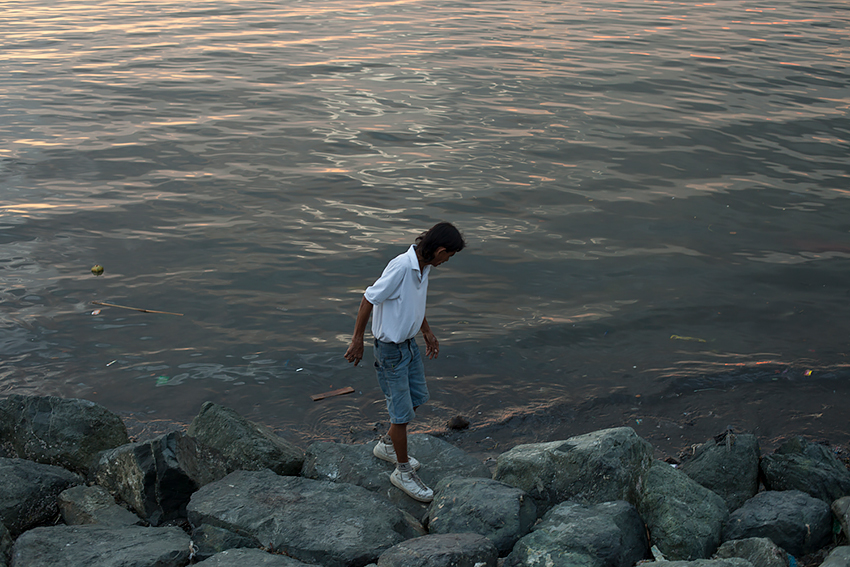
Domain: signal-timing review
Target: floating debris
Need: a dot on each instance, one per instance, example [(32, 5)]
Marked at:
[(681, 338), (97, 269), (340, 392)]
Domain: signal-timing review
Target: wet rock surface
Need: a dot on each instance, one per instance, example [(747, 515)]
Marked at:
[(760, 551), (94, 505), (250, 558), (247, 445), (597, 467), (610, 534), (809, 467), (728, 466), (29, 491), (793, 520), (685, 519), (55, 431)]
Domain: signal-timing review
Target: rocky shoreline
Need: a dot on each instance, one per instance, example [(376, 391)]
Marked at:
[(74, 491)]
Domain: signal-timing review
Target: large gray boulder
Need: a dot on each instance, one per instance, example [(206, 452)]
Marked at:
[(94, 505), (29, 491), (728, 466), (156, 478), (483, 506), (85, 546), (841, 510), (610, 534), (333, 524), (355, 464), (809, 467), (64, 432), (5, 545), (441, 550), (685, 519), (838, 557), (759, 551), (793, 520), (602, 466), (248, 445), (250, 558)]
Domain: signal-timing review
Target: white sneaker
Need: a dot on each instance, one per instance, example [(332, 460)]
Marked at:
[(410, 484), (385, 452)]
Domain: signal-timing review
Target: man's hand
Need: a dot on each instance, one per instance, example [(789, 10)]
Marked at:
[(432, 345), (355, 351)]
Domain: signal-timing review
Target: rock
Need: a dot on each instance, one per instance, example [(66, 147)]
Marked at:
[(29, 491), (731, 562), (355, 464), (333, 524), (838, 557), (841, 509), (84, 546), (759, 551), (483, 506), (250, 558), (597, 467), (64, 432), (5, 546), (685, 519), (457, 422), (793, 520), (809, 467), (610, 534), (441, 550), (157, 477), (94, 505), (210, 540), (729, 467), (248, 445)]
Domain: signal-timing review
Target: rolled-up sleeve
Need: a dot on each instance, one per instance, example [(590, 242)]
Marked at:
[(387, 286)]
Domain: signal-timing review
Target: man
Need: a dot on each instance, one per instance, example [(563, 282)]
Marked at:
[(398, 300)]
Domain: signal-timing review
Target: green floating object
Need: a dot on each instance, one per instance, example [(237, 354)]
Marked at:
[(97, 269), (162, 380)]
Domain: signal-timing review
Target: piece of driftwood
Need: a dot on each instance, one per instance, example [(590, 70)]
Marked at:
[(135, 308), (332, 393)]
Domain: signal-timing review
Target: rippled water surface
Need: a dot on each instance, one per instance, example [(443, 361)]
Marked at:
[(655, 196)]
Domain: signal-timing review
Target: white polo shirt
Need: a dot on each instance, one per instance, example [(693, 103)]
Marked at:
[(399, 298)]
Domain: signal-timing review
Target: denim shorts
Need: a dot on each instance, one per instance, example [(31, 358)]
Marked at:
[(401, 375)]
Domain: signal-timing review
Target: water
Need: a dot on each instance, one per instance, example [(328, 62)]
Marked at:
[(655, 196)]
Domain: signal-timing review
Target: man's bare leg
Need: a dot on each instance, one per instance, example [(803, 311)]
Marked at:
[(398, 434)]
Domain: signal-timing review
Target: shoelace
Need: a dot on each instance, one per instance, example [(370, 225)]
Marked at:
[(415, 478)]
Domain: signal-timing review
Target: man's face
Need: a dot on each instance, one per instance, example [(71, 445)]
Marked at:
[(441, 256)]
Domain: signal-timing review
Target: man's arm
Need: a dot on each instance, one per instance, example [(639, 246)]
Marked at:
[(432, 345), (355, 349)]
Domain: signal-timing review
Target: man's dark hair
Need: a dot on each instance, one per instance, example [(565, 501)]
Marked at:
[(441, 234)]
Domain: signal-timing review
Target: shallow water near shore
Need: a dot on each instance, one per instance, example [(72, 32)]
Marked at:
[(655, 196)]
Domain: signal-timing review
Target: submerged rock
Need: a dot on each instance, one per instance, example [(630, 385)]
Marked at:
[(602, 466), (64, 432), (759, 551), (685, 519), (809, 467), (728, 466), (441, 550), (332, 524), (29, 492), (793, 520), (249, 446), (94, 505), (610, 534), (84, 546), (157, 477), (483, 506)]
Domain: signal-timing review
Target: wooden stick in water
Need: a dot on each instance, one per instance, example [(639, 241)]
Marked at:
[(340, 392), (135, 308)]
